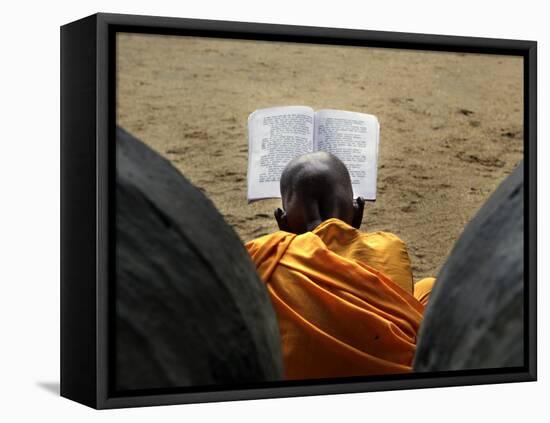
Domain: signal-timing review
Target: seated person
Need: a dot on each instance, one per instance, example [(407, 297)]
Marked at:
[(344, 299)]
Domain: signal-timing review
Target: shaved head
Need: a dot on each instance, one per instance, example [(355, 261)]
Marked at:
[(315, 187)]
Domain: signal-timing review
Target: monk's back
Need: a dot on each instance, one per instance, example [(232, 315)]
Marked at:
[(343, 300)]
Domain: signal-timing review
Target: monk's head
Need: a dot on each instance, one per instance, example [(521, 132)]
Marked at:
[(316, 187)]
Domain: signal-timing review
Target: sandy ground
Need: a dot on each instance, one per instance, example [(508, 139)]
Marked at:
[(451, 124)]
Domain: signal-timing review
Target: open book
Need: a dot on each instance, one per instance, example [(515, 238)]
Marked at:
[(277, 135)]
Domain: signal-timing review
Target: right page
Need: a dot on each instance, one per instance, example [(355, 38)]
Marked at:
[(353, 138)]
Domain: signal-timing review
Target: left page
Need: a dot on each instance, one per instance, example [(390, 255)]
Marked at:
[(275, 136)]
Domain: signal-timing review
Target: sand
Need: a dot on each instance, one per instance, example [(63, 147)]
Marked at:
[(451, 124)]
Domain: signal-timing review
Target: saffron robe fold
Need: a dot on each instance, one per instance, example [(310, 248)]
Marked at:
[(344, 300)]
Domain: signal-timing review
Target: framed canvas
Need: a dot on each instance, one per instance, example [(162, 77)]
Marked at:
[(176, 289)]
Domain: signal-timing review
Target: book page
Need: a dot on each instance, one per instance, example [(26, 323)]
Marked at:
[(275, 136), (353, 138)]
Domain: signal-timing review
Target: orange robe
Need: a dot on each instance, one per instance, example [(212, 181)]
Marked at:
[(343, 298)]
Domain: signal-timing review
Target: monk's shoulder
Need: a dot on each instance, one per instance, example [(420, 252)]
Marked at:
[(382, 237), (266, 242), (256, 242), (385, 244), (388, 254)]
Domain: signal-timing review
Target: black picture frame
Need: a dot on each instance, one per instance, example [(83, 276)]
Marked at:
[(87, 167)]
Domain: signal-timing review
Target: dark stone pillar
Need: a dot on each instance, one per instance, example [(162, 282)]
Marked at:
[(190, 308), (474, 319)]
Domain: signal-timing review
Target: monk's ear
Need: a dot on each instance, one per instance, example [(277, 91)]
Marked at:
[(282, 220), (358, 208)]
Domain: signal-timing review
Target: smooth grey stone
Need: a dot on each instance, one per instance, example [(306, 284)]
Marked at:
[(474, 318), (190, 308)]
